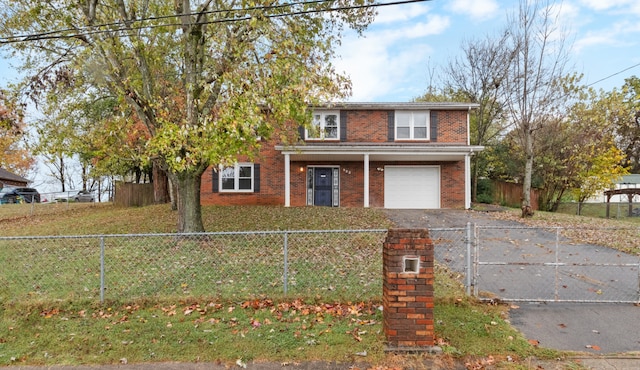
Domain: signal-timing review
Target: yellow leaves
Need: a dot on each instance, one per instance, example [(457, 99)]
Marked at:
[(47, 314)]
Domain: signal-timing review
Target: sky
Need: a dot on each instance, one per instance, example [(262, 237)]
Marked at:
[(404, 49), (407, 45)]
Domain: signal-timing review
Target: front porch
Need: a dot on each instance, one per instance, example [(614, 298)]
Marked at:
[(358, 172)]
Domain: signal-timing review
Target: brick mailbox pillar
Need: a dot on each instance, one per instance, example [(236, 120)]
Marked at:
[(408, 290)]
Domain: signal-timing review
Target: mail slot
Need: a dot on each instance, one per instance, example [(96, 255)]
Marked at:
[(411, 264)]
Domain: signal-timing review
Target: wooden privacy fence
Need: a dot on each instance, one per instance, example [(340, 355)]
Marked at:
[(510, 194), (133, 195)]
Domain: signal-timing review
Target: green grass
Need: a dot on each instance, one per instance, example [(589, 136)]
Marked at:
[(190, 323)]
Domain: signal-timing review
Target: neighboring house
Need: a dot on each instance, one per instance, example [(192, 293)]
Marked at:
[(625, 182), (10, 179), (391, 155)]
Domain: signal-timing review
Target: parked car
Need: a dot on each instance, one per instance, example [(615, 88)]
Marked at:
[(75, 196), (19, 195), (4, 191), (84, 196)]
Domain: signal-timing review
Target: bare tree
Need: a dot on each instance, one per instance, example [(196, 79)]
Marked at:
[(478, 75), (532, 84)]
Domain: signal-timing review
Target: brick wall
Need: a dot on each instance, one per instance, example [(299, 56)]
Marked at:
[(452, 127), (362, 127), (407, 296), (367, 126)]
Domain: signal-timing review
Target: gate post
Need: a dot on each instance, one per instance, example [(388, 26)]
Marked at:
[(408, 290)]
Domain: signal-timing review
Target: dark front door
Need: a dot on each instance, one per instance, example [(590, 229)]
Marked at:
[(323, 178)]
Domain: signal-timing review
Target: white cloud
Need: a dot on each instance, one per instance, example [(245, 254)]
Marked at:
[(398, 13), (385, 59), (378, 72), (594, 40), (607, 4), (476, 9), (380, 62)]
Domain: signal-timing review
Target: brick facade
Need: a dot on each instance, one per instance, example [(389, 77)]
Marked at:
[(408, 292), (363, 127)]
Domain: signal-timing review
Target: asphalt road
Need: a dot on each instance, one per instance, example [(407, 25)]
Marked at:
[(594, 328)]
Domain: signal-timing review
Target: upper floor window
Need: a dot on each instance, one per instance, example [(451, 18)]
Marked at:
[(239, 178), (325, 125), (412, 125)]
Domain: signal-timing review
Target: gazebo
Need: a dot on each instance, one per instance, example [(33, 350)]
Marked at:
[(629, 192)]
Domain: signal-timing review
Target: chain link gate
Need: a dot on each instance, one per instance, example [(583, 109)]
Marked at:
[(540, 265)]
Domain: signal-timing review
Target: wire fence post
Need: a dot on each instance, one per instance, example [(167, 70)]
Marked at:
[(286, 262), (468, 242), (102, 269), (556, 284), (476, 258)]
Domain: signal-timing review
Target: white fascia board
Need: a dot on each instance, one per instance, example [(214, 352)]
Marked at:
[(387, 150)]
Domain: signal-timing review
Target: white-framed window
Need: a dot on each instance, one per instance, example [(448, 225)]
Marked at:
[(238, 178), (412, 125), (324, 126)]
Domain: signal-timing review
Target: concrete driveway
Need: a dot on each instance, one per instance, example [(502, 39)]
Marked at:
[(595, 328)]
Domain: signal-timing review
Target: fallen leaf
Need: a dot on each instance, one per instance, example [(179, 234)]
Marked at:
[(534, 342)]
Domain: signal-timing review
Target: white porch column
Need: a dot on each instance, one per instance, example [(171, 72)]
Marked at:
[(287, 180), (467, 181), (366, 181)]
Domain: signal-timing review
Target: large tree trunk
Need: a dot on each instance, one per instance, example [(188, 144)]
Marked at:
[(527, 210), (188, 200), (160, 184)]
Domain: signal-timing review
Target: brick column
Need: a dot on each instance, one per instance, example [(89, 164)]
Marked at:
[(408, 290)]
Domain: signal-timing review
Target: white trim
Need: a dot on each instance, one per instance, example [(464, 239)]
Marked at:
[(467, 182), (287, 180), (412, 125), (321, 126), (366, 181), (236, 178)]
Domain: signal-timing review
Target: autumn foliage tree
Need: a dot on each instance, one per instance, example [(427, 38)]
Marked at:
[(206, 78), (14, 156), (623, 111)]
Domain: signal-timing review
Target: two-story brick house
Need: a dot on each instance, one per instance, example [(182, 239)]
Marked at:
[(392, 155)]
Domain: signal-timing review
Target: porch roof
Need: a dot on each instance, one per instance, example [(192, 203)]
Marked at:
[(378, 152)]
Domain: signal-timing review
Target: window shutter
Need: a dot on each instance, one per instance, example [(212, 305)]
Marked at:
[(391, 126), (214, 180), (343, 125), (433, 120), (301, 132), (256, 178)]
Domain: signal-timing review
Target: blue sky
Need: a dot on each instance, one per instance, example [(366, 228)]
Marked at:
[(392, 61)]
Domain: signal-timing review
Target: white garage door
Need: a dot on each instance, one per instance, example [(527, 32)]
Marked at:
[(412, 187)]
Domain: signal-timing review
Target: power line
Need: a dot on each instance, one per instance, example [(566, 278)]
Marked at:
[(60, 34), (88, 29), (615, 74)]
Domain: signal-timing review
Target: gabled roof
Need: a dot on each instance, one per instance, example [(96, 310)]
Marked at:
[(6, 175)]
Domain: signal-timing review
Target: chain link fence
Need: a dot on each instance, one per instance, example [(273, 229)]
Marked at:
[(541, 264), (323, 264), (599, 209), (506, 263)]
